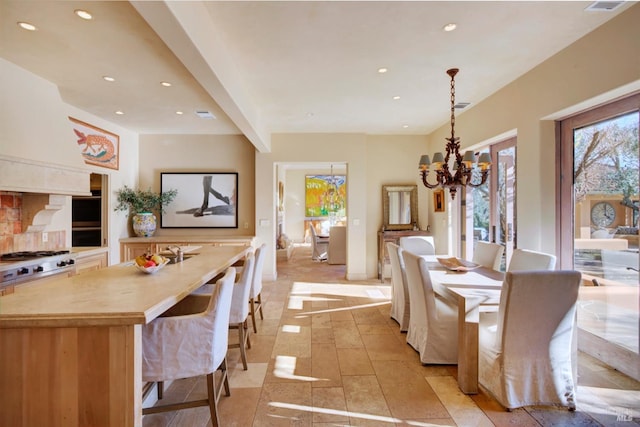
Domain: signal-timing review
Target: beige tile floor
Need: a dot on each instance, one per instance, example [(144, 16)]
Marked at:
[(328, 354)]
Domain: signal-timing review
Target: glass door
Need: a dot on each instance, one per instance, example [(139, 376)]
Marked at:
[(503, 204), (489, 210)]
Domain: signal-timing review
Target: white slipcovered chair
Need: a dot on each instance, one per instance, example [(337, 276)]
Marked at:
[(181, 344), (240, 307), (419, 245), (488, 254), (523, 259), (319, 245), (400, 307), (529, 356), (433, 322), (337, 250), (255, 295)]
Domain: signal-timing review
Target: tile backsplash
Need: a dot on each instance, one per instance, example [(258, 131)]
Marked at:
[(12, 239)]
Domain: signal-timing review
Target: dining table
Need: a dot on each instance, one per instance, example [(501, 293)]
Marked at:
[(471, 290)]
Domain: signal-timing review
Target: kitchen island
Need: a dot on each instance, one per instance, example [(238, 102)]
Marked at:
[(70, 350)]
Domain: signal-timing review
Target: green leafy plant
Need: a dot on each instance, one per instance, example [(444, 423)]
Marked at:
[(141, 201)]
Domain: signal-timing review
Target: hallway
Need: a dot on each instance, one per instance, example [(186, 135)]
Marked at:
[(328, 354)]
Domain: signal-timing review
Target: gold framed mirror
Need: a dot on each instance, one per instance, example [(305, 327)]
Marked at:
[(399, 207)]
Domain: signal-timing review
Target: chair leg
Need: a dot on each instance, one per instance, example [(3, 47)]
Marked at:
[(245, 325), (260, 305), (213, 402), (241, 338), (160, 385), (252, 312), (225, 378)]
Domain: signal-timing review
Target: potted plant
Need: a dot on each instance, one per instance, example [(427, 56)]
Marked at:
[(142, 204)]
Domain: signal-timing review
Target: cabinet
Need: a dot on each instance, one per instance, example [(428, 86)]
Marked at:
[(394, 237), (91, 262), (133, 246)]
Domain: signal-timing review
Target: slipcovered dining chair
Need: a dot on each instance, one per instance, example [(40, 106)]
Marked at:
[(488, 254), (240, 307), (400, 307), (319, 245), (419, 245), (433, 322), (524, 259), (521, 362), (337, 250), (181, 344), (255, 295)]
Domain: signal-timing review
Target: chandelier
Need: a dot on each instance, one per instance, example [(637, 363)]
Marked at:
[(464, 167)]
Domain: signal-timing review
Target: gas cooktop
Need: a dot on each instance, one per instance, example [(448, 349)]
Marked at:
[(24, 255)]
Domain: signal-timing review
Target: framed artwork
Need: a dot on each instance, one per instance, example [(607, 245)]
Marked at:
[(325, 195), (97, 146), (204, 200), (438, 201)]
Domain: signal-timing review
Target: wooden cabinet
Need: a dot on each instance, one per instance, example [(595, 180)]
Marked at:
[(131, 250), (6, 290), (394, 237), (133, 246), (91, 262)]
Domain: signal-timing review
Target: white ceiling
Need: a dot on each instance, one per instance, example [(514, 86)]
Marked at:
[(278, 67)]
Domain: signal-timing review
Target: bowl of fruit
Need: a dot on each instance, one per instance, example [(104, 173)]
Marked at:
[(150, 263)]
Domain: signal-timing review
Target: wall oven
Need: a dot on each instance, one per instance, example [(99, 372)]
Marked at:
[(86, 220)]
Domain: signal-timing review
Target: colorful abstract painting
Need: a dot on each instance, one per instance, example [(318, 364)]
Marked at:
[(325, 195)]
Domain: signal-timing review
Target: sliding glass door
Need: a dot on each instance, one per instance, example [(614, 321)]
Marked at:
[(598, 225)]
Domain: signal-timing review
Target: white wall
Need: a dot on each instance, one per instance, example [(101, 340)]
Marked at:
[(372, 161), (34, 125), (601, 66), (202, 153)]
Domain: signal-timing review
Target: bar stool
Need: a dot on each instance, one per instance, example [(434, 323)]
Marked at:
[(184, 344), (240, 307), (255, 296)]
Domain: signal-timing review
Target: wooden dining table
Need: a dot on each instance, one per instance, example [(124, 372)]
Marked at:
[(470, 291)]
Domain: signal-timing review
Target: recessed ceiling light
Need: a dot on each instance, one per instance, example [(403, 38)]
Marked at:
[(179, 113), (450, 27), (120, 113), (27, 26), (396, 97), (382, 70), (165, 84), (405, 126), (109, 78), (83, 14)]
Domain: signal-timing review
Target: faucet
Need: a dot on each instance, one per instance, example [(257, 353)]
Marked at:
[(178, 253)]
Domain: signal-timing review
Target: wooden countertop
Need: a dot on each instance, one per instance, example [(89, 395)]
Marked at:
[(117, 295)]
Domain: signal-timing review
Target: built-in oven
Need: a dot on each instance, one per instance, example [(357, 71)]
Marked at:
[(86, 220), (30, 267)]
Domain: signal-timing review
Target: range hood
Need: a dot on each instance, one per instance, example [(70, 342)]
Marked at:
[(31, 176)]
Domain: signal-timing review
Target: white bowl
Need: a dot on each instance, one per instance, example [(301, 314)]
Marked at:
[(151, 270)]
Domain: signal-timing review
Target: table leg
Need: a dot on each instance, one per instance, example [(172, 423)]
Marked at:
[(468, 318)]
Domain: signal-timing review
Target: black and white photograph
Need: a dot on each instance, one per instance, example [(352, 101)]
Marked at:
[(204, 200)]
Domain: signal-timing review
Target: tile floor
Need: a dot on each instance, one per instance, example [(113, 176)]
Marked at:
[(327, 354)]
